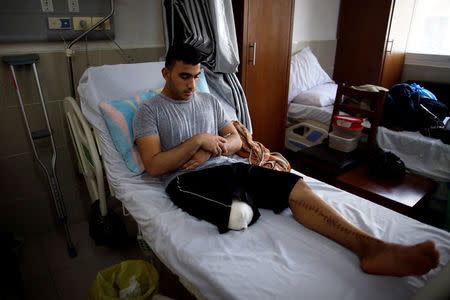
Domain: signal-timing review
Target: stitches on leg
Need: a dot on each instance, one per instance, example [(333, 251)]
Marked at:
[(330, 220), (376, 256)]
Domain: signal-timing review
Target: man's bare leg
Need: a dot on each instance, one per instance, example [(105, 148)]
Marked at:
[(376, 256)]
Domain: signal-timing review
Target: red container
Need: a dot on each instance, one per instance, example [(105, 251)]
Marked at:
[(350, 122)]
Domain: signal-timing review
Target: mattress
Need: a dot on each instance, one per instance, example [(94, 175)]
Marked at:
[(276, 258), (423, 155), (300, 112)]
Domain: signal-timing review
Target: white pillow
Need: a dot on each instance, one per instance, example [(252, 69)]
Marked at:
[(305, 73), (321, 95)]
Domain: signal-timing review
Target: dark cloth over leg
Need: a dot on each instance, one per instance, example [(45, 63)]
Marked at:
[(207, 194)]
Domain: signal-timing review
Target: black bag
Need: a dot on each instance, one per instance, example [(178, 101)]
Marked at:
[(108, 230), (438, 132), (386, 165), (407, 109)]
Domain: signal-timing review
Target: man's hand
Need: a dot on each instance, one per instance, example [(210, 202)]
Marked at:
[(200, 157), (233, 143), (213, 143), (227, 148)]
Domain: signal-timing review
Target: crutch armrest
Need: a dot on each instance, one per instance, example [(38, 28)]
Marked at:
[(18, 60)]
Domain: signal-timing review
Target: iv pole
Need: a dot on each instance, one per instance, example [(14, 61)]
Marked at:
[(70, 52)]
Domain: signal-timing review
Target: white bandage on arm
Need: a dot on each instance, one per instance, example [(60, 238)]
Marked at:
[(241, 215)]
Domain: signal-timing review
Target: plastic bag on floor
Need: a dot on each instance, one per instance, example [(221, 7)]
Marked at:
[(131, 279)]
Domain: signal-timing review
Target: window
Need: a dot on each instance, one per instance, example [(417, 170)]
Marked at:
[(430, 28)]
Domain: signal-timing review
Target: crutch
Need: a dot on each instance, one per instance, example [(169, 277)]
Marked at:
[(31, 59)]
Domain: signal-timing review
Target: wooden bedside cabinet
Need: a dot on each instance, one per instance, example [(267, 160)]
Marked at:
[(404, 195), (324, 163)]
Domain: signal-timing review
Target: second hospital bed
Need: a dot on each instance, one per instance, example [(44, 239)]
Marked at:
[(276, 258), (427, 156), (312, 95)]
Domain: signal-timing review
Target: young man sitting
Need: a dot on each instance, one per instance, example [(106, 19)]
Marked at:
[(185, 138)]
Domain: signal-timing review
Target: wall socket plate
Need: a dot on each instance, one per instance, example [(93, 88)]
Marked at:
[(107, 24), (82, 23), (47, 5), (73, 5)]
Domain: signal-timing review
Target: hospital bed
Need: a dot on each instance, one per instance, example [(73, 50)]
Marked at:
[(276, 258)]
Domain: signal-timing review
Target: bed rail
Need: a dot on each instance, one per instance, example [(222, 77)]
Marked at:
[(89, 153), (85, 142)]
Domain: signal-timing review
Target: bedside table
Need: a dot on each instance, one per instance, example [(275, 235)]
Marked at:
[(348, 171), (324, 163), (403, 196)]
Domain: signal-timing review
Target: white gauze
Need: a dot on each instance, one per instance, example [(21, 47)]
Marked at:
[(240, 216)]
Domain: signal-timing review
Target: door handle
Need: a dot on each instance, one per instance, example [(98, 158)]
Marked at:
[(390, 49), (253, 59)]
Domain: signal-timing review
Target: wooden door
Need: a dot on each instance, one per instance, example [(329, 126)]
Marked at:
[(265, 68), (361, 41), (396, 43)]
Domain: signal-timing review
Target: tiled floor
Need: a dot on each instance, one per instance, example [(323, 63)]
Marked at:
[(49, 273)]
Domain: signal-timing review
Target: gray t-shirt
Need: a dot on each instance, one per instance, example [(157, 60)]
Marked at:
[(176, 121)]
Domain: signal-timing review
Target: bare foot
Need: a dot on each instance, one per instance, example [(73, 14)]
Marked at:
[(399, 260)]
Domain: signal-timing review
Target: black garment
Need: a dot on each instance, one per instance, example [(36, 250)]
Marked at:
[(207, 194), (402, 109)]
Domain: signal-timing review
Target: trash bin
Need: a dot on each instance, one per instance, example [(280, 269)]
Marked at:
[(130, 279)]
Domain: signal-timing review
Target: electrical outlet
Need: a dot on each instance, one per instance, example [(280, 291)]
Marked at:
[(47, 5), (73, 5), (104, 26), (82, 23), (59, 23)]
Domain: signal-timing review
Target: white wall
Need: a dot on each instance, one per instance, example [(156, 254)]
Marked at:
[(139, 23), (315, 20), (315, 25)]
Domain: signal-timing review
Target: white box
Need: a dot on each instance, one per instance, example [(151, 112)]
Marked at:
[(304, 135), (346, 132), (341, 143)]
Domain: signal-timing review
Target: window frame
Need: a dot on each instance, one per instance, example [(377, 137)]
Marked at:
[(434, 60)]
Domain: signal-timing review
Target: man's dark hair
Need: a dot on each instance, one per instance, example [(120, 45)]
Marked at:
[(185, 53)]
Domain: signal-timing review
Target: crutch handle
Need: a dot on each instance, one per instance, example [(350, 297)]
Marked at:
[(40, 134), (19, 60)]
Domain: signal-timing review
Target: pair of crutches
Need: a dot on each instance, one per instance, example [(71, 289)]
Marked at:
[(26, 60)]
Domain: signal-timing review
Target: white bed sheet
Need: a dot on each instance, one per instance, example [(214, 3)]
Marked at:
[(276, 258), (423, 155)]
